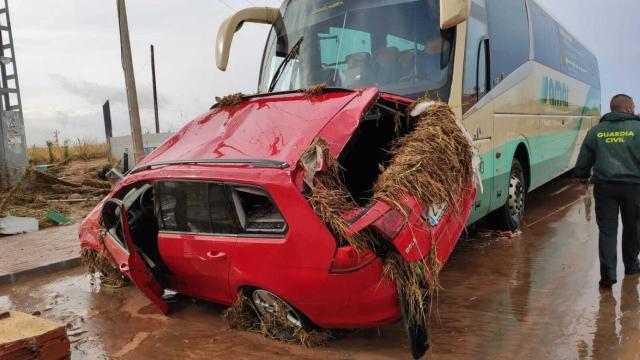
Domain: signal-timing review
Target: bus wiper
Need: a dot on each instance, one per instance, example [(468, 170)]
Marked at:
[(293, 53)]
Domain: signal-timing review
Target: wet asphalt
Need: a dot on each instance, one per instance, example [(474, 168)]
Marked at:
[(533, 296)]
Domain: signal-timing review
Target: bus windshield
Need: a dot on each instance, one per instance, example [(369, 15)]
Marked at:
[(396, 45)]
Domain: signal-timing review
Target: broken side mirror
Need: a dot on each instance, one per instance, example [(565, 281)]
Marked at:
[(453, 12), (259, 15)]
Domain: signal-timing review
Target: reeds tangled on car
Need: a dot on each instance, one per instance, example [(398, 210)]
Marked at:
[(242, 315), (230, 100), (98, 266), (328, 196), (433, 162), (315, 90)]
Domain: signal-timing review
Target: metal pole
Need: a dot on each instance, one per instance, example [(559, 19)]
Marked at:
[(106, 111), (155, 91), (132, 94)]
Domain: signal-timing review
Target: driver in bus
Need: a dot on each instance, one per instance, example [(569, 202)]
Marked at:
[(428, 64)]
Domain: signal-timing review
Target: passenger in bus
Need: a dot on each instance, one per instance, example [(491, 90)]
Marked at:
[(612, 150)]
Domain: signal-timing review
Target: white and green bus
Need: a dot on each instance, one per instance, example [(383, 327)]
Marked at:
[(522, 85)]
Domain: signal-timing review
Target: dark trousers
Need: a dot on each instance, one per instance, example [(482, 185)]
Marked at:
[(613, 199)]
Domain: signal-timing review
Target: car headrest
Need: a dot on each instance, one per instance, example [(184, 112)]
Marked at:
[(358, 60)]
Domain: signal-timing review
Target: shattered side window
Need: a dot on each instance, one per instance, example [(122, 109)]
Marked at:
[(184, 206), (216, 208), (220, 210), (257, 213)]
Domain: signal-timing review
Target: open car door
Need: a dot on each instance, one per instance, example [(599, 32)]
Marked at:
[(137, 269)]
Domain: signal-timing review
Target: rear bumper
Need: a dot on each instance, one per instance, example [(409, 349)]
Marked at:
[(358, 300)]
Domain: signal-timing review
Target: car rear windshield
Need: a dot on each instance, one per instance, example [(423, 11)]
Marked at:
[(217, 208)]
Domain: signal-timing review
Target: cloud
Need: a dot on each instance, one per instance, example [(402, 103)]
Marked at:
[(94, 93)]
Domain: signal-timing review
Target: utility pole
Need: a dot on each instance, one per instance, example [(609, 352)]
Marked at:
[(155, 91), (132, 94), (13, 142)]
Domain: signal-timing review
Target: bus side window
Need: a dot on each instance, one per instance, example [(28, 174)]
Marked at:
[(509, 33), (483, 80), (477, 31)]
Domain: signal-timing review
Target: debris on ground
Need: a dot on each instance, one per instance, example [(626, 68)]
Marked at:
[(242, 315), (12, 225), (230, 100), (496, 234), (39, 192), (24, 336), (58, 218)]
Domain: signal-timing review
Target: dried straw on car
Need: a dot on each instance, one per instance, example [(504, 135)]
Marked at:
[(329, 198), (242, 315), (315, 90), (433, 163), (230, 100), (98, 266)]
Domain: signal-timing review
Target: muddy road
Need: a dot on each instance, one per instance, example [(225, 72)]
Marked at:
[(531, 297)]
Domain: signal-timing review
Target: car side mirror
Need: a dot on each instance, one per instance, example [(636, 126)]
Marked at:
[(259, 15), (454, 12)]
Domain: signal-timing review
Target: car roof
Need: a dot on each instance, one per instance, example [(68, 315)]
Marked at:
[(275, 128)]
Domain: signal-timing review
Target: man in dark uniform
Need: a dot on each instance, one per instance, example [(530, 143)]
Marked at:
[(612, 149)]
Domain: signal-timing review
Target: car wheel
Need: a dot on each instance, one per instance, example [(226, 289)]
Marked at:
[(511, 215), (279, 318)]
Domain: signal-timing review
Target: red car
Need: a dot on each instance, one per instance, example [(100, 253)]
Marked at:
[(220, 210)]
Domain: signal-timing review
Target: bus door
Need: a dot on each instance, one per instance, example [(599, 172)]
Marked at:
[(477, 108)]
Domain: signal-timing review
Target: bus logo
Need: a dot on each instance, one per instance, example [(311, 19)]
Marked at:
[(554, 92)]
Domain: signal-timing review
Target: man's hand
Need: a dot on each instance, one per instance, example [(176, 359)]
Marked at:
[(583, 182)]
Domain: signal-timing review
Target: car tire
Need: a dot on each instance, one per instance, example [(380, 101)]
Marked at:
[(511, 215), (266, 303)]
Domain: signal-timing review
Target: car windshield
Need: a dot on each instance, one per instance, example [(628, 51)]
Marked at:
[(396, 45)]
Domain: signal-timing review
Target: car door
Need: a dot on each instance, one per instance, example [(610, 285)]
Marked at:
[(129, 259), (196, 239)]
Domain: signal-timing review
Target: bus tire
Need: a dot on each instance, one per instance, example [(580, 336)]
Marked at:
[(511, 215)]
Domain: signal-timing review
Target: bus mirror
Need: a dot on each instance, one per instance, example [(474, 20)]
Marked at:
[(260, 15), (453, 12)]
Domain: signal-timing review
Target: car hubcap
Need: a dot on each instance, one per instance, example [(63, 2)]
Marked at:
[(268, 303), (516, 197)]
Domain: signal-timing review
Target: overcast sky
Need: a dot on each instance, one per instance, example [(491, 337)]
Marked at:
[(68, 57)]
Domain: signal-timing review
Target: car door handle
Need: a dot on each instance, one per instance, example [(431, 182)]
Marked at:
[(124, 267), (216, 255)]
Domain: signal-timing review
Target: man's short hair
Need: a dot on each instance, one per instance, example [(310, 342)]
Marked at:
[(621, 102)]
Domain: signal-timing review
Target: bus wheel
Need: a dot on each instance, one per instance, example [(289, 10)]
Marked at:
[(510, 216)]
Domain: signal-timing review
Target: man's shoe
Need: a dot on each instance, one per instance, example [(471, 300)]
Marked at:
[(607, 284), (632, 271)]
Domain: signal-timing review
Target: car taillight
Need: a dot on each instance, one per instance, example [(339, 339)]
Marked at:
[(347, 259), (390, 224)]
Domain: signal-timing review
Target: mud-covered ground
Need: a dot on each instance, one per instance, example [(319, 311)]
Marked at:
[(532, 297)]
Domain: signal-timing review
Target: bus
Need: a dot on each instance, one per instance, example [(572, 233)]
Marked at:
[(520, 83)]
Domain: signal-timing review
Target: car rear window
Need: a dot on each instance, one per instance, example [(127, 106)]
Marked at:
[(217, 208)]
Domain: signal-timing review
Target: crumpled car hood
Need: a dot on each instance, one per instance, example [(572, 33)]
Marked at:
[(276, 127)]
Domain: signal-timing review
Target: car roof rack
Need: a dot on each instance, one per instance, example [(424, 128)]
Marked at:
[(269, 164)]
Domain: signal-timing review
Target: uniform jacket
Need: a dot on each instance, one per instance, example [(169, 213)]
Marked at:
[(612, 150)]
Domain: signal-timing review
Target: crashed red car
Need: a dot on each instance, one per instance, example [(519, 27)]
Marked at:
[(219, 211)]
